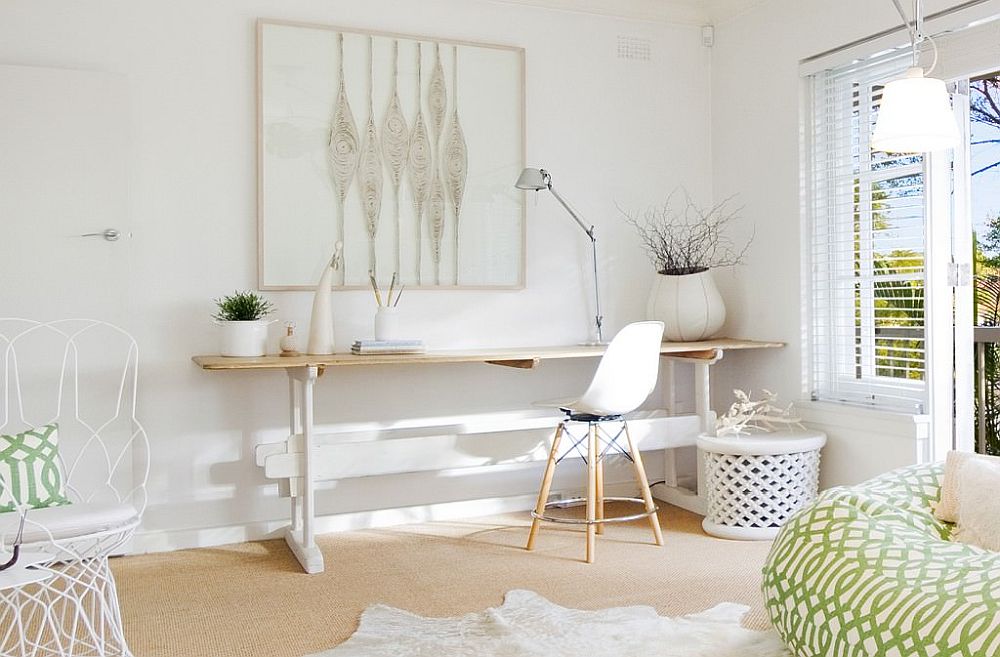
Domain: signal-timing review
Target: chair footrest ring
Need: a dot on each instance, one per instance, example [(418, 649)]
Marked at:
[(599, 521)]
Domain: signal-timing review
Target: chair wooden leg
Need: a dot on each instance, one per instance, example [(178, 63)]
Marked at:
[(543, 493), (600, 490), (591, 490), (640, 474)]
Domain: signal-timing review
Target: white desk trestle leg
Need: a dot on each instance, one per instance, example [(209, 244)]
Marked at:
[(294, 428), (669, 385), (672, 493), (302, 541), (703, 408)]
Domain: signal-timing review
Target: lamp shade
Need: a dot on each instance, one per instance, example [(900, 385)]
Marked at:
[(915, 116), (532, 179)]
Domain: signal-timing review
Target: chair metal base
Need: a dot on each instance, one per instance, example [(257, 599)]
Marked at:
[(596, 521), (73, 613), (599, 445)]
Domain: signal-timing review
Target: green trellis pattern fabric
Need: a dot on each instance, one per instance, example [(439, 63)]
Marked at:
[(30, 472), (868, 571)]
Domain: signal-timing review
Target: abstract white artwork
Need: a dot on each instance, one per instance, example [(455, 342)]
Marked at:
[(404, 148)]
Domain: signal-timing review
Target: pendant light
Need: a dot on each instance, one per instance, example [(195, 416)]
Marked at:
[(915, 115)]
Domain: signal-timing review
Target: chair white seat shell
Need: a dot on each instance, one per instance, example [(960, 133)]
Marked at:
[(624, 379)]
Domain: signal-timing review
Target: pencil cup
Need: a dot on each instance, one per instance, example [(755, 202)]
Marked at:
[(387, 323)]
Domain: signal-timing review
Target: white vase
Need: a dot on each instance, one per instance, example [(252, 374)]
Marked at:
[(321, 323), (689, 305), (246, 339)]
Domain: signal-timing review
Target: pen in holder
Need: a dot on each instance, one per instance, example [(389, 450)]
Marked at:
[(387, 315)]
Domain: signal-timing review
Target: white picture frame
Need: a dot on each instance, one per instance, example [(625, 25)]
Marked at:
[(309, 191)]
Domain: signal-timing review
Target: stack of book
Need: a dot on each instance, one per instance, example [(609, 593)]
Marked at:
[(388, 347)]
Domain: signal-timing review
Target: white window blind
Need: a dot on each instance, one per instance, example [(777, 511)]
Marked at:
[(867, 254)]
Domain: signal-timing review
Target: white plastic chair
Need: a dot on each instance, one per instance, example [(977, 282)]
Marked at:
[(82, 374), (624, 378)]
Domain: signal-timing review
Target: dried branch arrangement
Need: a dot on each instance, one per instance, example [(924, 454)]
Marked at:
[(747, 416), (681, 238)]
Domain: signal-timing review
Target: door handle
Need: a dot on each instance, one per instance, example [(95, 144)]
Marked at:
[(109, 234)]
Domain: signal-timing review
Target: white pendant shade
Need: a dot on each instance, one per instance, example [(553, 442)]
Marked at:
[(915, 116)]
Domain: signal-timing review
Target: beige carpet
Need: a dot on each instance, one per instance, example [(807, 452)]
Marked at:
[(252, 599)]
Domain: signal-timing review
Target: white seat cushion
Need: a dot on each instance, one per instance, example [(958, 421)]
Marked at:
[(69, 521)]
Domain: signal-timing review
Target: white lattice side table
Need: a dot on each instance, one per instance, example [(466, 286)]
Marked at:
[(755, 482)]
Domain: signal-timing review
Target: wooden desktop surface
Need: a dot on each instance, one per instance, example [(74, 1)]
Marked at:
[(524, 357)]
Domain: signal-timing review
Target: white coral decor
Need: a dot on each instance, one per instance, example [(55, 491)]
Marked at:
[(748, 416)]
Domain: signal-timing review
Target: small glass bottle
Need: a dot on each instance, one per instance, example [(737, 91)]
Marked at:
[(290, 342)]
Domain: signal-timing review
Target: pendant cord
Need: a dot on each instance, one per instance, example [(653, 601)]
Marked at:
[(913, 27), (916, 30)]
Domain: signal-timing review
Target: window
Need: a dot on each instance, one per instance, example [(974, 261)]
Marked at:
[(866, 213)]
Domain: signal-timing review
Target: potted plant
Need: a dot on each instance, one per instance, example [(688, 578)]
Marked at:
[(684, 243), (244, 329)]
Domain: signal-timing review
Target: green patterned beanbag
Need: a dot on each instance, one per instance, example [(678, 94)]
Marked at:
[(867, 571)]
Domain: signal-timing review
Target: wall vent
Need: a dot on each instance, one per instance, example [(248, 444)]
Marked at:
[(634, 48)]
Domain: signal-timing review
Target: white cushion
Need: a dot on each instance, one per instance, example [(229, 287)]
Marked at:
[(978, 504), (70, 521), (947, 507)]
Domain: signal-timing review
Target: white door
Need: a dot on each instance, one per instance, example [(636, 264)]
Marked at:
[(63, 174), (950, 291), (962, 278)]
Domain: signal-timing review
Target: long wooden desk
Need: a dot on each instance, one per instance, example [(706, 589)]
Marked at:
[(303, 371)]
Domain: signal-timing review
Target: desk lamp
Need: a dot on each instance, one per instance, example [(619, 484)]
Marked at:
[(538, 179)]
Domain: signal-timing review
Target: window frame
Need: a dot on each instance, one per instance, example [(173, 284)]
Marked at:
[(834, 97)]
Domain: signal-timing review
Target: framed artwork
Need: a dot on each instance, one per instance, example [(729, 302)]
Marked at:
[(402, 150)]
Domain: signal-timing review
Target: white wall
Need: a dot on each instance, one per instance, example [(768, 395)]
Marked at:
[(608, 129), (755, 139)]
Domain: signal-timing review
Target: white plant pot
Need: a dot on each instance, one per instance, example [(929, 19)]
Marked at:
[(244, 339), (689, 305)]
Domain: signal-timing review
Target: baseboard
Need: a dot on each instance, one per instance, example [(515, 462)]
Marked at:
[(182, 539), (680, 497)]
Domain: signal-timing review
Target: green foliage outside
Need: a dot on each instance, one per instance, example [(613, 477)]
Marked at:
[(898, 302), (986, 260), (985, 117)]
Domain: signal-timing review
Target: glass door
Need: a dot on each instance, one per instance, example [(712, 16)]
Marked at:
[(984, 195)]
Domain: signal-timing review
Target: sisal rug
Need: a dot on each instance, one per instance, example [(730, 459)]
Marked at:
[(528, 625)]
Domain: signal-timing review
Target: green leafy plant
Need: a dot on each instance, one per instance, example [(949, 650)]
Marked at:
[(242, 307)]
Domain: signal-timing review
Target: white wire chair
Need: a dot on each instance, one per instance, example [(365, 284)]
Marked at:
[(82, 374)]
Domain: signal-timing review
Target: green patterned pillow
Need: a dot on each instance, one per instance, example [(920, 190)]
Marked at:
[(30, 472)]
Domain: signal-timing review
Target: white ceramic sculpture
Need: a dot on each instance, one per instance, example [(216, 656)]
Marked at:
[(321, 340)]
